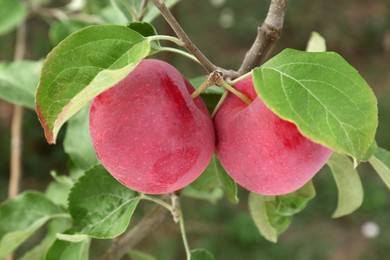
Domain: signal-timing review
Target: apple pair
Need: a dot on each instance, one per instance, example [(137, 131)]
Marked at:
[(152, 137)]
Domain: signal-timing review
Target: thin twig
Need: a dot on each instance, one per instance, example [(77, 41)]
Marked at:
[(188, 44), (16, 125), (267, 34)]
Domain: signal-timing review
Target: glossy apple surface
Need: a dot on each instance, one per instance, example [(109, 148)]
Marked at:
[(148, 132), (260, 151)]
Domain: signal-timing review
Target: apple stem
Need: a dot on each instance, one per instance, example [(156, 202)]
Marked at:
[(219, 104), (200, 89), (228, 87)]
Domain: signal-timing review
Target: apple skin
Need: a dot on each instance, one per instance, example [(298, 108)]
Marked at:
[(148, 132), (260, 151)]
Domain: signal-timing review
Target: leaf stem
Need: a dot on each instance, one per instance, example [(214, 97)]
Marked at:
[(240, 95), (184, 236), (158, 201), (181, 52), (166, 38)]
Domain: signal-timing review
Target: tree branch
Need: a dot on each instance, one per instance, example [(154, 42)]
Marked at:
[(188, 44), (135, 235), (267, 34), (16, 125)]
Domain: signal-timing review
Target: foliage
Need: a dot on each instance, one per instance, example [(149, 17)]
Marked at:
[(90, 58)]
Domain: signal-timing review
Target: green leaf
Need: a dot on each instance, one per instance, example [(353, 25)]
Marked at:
[(101, 206), (74, 238), (138, 255), (258, 211), (61, 29), (18, 81), (201, 254), (350, 189), (212, 196), (39, 251), (273, 214), (324, 96), (65, 250), (22, 216), (381, 163), (77, 143), (12, 14), (81, 67), (316, 43), (215, 176), (145, 29)]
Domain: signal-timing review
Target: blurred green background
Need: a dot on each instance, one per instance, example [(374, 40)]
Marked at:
[(359, 30)]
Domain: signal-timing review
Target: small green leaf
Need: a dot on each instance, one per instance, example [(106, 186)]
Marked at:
[(258, 211), (12, 14), (212, 196), (22, 216), (138, 255), (273, 214), (350, 189), (145, 29), (19, 81), (324, 96), (201, 254), (77, 143), (39, 251), (101, 206), (381, 163), (65, 250), (316, 43), (292, 203), (81, 67), (61, 29), (111, 15)]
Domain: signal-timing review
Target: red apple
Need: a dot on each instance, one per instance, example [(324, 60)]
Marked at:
[(148, 132), (259, 150)]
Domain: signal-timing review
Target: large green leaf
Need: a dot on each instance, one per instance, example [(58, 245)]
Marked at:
[(77, 143), (350, 189), (21, 216), (273, 214), (101, 206), (81, 67), (12, 14), (324, 96), (65, 250), (19, 81), (381, 163)]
